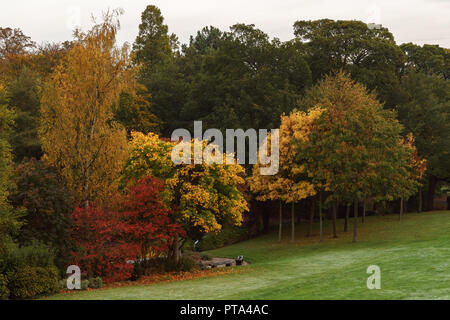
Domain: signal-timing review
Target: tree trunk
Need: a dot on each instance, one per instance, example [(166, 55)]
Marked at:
[(311, 217), (419, 206), (405, 205), (292, 223), (432, 180), (347, 215), (266, 217), (355, 226), (401, 209), (86, 189), (281, 221), (364, 211), (320, 216), (176, 249), (335, 206)]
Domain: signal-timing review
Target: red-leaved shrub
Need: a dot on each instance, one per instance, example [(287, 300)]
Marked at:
[(139, 225)]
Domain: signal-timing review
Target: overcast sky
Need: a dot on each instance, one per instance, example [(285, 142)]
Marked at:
[(418, 21)]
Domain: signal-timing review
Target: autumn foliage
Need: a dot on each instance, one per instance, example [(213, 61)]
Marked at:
[(138, 227)]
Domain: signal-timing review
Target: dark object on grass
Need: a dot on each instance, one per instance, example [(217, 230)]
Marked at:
[(239, 260)]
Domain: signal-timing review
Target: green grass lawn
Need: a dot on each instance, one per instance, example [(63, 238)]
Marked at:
[(414, 257)]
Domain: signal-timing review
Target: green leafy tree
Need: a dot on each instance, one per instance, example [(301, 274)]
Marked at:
[(426, 112), (24, 95), (355, 149), (154, 50), (135, 112), (428, 59), (153, 45), (371, 56), (241, 79), (42, 192)]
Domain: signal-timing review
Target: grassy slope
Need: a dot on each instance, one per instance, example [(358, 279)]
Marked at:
[(414, 257)]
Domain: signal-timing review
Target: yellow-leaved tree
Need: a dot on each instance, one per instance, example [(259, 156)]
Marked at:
[(203, 196), (291, 184), (78, 133)]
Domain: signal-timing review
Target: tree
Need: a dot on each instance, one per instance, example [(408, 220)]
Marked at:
[(78, 133), (136, 227), (14, 42), (371, 56), (153, 45), (428, 59), (23, 92), (9, 219), (415, 171), (135, 112), (266, 187), (154, 51), (15, 49), (243, 80), (203, 197), (291, 183), (355, 146), (47, 204), (425, 113)]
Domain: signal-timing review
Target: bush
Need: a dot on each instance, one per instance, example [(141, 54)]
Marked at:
[(185, 264), (84, 284), (47, 204), (95, 283), (34, 255), (29, 271), (63, 284), (227, 236), (28, 282), (107, 238), (4, 291)]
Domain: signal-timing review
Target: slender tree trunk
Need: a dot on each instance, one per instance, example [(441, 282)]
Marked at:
[(176, 253), (401, 209), (419, 205), (364, 211), (355, 226), (320, 216), (267, 210), (335, 206), (280, 229), (86, 188), (292, 223), (405, 205), (432, 180), (311, 217), (347, 215)]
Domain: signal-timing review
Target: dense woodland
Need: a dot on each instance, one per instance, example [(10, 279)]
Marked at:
[(86, 176)]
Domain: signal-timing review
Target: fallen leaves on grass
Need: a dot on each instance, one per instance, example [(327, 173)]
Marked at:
[(166, 277)]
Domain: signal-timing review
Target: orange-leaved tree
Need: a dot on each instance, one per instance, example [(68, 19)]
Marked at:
[(78, 132)]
